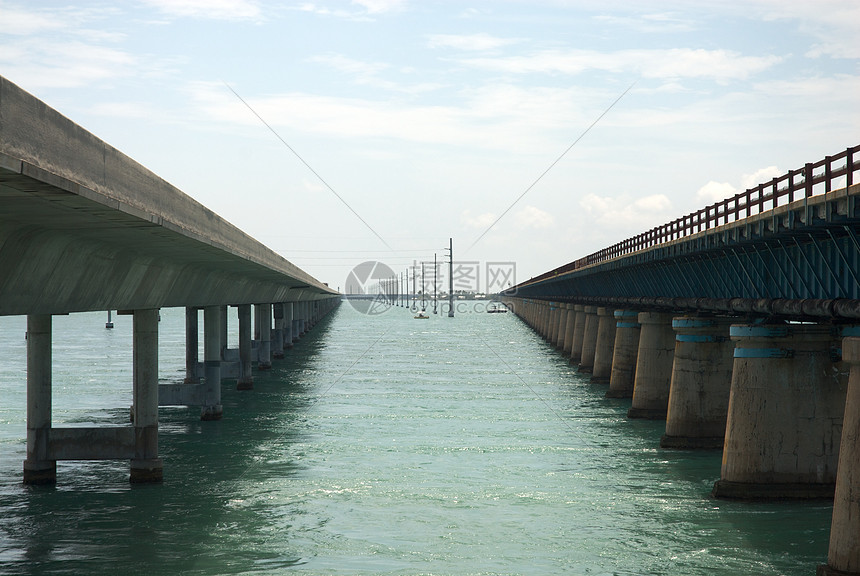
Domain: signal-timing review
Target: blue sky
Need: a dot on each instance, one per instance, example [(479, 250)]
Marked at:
[(429, 119)]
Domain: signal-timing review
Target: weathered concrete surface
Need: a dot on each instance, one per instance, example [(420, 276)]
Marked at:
[(843, 556), (85, 227), (701, 381), (785, 413), (653, 366)]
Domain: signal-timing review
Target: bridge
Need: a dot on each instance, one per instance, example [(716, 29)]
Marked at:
[(84, 227), (739, 325)]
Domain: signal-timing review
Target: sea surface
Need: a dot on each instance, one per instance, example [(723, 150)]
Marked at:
[(381, 444)]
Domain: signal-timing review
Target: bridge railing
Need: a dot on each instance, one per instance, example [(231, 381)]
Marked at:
[(814, 178)]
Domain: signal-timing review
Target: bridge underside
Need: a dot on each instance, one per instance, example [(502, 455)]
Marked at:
[(799, 261), (63, 252), (85, 227)]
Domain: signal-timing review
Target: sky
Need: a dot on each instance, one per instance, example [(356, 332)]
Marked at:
[(530, 132)]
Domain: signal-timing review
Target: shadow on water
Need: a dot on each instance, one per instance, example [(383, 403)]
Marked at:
[(220, 479)]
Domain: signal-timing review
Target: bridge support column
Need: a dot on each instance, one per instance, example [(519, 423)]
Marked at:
[(543, 318), (38, 468), (288, 325), (563, 312), (300, 318), (569, 324), (557, 324), (224, 333), (604, 347), (653, 367), (843, 556), (146, 466), (578, 334), (624, 356), (192, 354), (212, 410), (589, 339), (246, 378), (701, 381), (278, 331), (785, 414), (264, 317)]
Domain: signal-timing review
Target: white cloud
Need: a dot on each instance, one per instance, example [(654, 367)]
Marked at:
[(713, 192), (719, 65), (211, 9), (531, 217), (468, 42), (656, 23), (623, 213), (760, 176), (497, 118), (380, 6), (479, 221), (36, 64)]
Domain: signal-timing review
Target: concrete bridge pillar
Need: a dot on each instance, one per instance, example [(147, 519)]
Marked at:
[(264, 317), (38, 467), (146, 466), (701, 381), (785, 413), (569, 324), (558, 329), (288, 325), (246, 379), (604, 346), (212, 363), (224, 339), (543, 322), (578, 334), (278, 331), (843, 556), (137, 443), (192, 345), (653, 366), (300, 318), (624, 356), (589, 339)]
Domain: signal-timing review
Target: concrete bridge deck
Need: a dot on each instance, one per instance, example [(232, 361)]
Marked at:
[(85, 227)]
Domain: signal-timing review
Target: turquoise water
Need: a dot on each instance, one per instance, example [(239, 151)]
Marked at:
[(380, 445)]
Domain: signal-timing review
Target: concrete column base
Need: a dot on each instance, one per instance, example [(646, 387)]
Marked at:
[(148, 471), (264, 366), (825, 570), (729, 490), (692, 442), (646, 413), (40, 472), (243, 384), (209, 413)]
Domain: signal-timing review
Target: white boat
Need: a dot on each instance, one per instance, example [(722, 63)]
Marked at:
[(496, 308)]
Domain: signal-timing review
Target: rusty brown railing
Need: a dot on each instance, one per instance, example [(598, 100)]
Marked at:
[(814, 178)]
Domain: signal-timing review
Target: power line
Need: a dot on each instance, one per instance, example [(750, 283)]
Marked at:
[(296, 154), (556, 161)]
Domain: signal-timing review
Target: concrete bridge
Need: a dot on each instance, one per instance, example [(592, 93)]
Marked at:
[(84, 227), (739, 325)]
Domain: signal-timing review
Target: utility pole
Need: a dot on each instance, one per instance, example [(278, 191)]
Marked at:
[(450, 277), (414, 289), (435, 269)]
